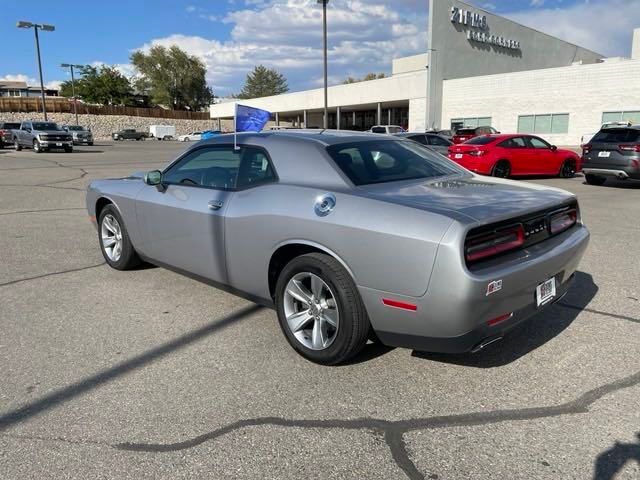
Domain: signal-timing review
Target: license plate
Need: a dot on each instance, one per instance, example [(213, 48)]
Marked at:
[(58, 144), (546, 291), (604, 154), (457, 155)]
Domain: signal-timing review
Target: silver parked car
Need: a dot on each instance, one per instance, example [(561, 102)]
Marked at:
[(349, 236), (42, 137), (81, 135), (435, 142)]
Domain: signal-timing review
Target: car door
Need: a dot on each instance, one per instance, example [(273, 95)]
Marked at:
[(24, 132), (515, 150), (182, 222), (542, 159)]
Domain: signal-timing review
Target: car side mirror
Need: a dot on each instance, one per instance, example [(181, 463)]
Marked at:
[(153, 178), (553, 148)]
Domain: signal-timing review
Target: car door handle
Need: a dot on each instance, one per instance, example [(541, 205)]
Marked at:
[(215, 204)]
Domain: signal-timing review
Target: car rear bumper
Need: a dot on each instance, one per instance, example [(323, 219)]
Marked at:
[(621, 173), (457, 313)]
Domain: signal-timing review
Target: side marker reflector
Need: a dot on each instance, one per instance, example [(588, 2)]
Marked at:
[(396, 304), (500, 319)]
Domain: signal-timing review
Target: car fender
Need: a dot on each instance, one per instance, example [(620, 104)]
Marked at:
[(311, 243)]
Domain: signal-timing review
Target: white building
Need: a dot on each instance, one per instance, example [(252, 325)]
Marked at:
[(481, 69)]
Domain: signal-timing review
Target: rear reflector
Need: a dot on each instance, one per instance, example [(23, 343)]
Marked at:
[(562, 221), (396, 304), (500, 319), (494, 243), (586, 149)]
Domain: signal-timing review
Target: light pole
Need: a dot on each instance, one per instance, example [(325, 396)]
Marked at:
[(46, 28), (73, 87), (324, 30)]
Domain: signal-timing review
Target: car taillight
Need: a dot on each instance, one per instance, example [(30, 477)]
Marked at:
[(494, 243), (630, 148), (586, 149), (562, 221), (477, 153)]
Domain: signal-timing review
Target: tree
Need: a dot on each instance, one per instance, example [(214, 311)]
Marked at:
[(104, 85), (366, 78), (172, 77), (263, 82)]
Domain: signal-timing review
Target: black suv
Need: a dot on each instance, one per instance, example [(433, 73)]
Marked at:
[(613, 152)]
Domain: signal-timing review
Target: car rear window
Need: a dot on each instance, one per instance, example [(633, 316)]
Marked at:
[(484, 140), (466, 131), (369, 162), (617, 135)]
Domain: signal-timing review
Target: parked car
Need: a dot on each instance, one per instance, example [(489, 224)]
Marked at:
[(190, 137), (448, 134), (383, 236), (614, 152), (129, 134), (464, 134), (42, 136), (388, 129), (6, 132), (80, 134), (515, 155), (162, 132), (435, 142)]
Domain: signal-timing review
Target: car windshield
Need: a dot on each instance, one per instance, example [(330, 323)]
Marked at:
[(45, 126), (75, 128), (617, 135), (484, 140), (466, 131), (10, 126), (368, 162)]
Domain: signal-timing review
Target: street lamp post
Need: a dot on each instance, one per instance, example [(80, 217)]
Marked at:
[(73, 87), (326, 95), (46, 28)]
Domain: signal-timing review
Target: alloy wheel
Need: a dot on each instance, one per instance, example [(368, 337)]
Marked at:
[(311, 311), (111, 235)]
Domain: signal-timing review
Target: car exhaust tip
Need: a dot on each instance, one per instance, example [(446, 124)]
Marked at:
[(485, 343)]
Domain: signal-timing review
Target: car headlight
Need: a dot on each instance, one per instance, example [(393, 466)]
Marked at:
[(42, 137)]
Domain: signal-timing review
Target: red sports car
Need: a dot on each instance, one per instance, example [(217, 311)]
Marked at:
[(514, 155)]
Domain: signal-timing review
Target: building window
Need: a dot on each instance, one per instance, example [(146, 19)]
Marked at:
[(547, 123), (15, 93), (470, 122), (628, 116)]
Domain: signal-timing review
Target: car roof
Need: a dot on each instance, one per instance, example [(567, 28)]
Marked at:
[(622, 127), (322, 137)]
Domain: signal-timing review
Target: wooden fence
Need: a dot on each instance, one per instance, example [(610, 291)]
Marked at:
[(64, 105)]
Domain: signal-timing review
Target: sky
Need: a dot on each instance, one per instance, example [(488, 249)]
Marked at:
[(232, 36)]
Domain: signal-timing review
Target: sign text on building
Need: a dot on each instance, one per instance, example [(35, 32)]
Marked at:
[(478, 29)]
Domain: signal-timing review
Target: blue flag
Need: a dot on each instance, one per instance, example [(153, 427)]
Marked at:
[(249, 119)]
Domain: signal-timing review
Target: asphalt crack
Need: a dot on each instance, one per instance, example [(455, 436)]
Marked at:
[(46, 210), (393, 431), (598, 312), (51, 274)]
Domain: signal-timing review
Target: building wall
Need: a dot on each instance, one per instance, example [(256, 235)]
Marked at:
[(391, 89), (455, 56), (415, 63), (582, 91)]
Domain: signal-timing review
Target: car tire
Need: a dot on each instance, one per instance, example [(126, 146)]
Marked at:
[(68, 149), (337, 299), (36, 146), (16, 145), (111, 226), (90, 144), (595, 179), (568, 169), (502, 169)]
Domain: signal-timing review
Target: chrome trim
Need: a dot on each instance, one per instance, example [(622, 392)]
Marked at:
[(325, 204)]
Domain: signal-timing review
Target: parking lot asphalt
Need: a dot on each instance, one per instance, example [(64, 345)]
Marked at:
[(147, 374)]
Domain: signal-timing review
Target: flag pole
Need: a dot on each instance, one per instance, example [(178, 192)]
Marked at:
[(235, 127)]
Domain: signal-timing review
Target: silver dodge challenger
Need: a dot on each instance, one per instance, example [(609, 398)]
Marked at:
[(350, 237)]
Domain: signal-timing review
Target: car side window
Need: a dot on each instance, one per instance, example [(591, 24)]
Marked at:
[(420, 139), (255, 168), (211, 167), (536, 142), (515, 142), (438, 141), (379, 130)]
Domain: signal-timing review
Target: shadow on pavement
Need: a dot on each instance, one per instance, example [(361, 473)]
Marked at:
[(612, 461), (69, 392), (534, 333), (615, 183)]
